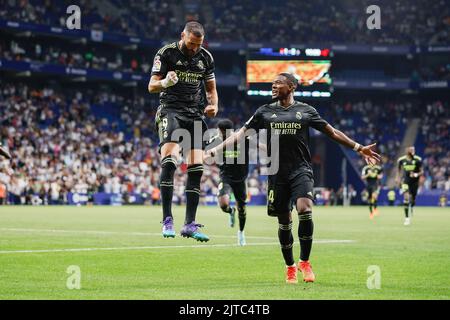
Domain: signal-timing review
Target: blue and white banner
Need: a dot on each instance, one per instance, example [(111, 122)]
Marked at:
[(92, 35), (93, 74)]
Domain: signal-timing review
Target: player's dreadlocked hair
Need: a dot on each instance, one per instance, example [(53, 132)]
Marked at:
[(290, 78), (195, 28)]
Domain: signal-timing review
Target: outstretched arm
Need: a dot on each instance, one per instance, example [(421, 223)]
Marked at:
[(236, 136), (370, 156)]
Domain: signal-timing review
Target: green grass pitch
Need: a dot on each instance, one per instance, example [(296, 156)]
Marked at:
[(121, 255)]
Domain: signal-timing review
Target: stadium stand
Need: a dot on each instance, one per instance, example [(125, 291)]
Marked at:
[(420, 22), (72, 142), (70, 138)]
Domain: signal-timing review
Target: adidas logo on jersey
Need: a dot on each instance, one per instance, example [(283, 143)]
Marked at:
[(274, 116), (179, 63)]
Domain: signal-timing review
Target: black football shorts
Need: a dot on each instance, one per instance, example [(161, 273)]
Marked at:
[(174, 127), (281, 195)]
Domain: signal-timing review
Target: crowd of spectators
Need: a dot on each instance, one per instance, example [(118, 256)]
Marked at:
[(368, 121), (84, 142), (59, 146), (431, 73), (98, 57), (325, 21), (385, 123), (76, 56), (434, 133), (402, 22)]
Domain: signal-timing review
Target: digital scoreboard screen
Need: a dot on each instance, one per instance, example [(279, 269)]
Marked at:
[(311, 67)]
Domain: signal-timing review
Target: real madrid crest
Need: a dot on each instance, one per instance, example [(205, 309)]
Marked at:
[(298, 115), (200, 64)]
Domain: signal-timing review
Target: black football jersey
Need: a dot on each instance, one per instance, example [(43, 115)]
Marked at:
[(187, 95), (373, 171), (291, 125), (235, 160), (407, 166)]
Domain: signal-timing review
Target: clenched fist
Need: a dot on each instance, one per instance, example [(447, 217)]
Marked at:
[(211, 110), (170, 79)]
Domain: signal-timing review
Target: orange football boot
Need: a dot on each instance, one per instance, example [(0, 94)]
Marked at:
[(291, 274), (306, 269)]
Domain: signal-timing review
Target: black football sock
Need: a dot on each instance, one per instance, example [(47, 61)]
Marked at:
[(370, 206), (168, 167), (242, 217), (286, 240), (194, 173), (406, 206), (375, 204), (305, 233)]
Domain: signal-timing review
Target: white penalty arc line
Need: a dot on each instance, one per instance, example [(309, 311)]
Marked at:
[(161, 247)]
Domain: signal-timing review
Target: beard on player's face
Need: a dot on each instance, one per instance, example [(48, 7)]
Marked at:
[(186, 50), (190, 44)]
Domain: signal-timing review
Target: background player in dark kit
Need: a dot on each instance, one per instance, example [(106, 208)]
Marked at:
[(233, 175), (290, 120), (180, 70), (372, 175), (408, 174)]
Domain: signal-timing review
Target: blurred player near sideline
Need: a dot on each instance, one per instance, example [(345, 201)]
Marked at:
[(4, 153), (4, 166), (372, 175), (233, 175), (180, 70), (5, 174), (293, 182), (408, 174)]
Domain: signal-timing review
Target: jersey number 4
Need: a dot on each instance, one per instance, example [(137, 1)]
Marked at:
[(271, 196)]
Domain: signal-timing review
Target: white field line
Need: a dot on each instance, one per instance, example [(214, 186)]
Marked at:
[(97, 232), (161, 247), (148, 234)]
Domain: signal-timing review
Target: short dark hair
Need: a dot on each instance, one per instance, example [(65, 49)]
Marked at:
[(225, 124), (290, 77), (195, 28)]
